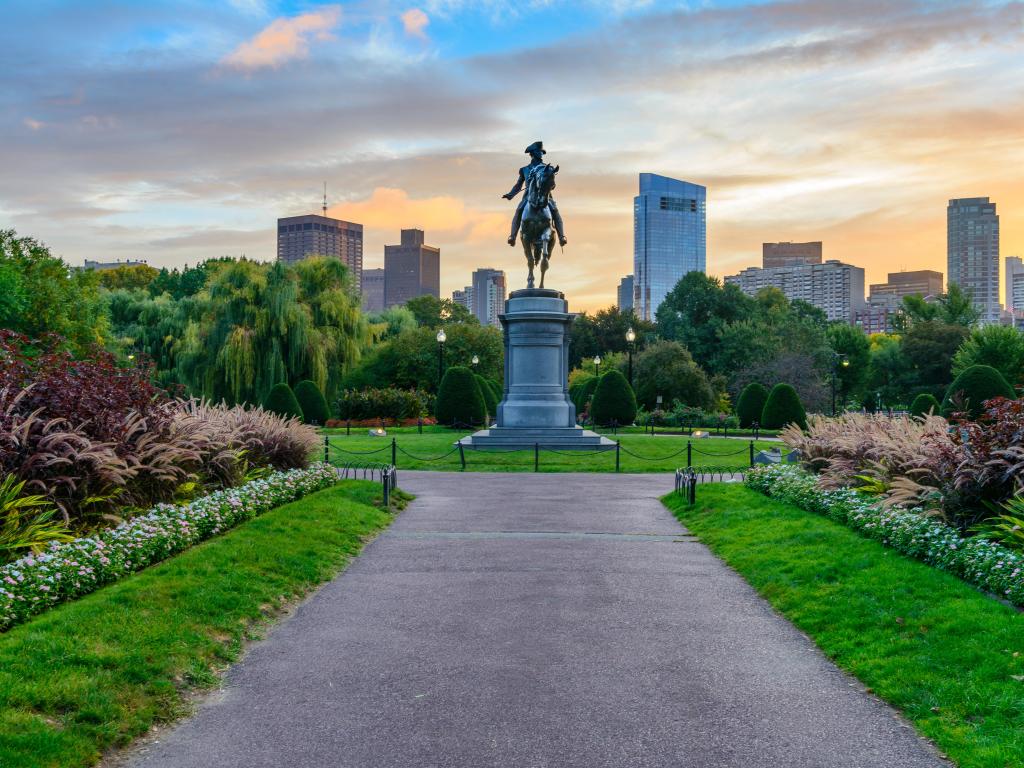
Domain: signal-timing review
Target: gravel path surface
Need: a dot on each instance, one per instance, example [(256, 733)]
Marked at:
[(538, 621)]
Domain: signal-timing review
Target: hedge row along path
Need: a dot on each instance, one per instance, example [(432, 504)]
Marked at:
[(561, 620)]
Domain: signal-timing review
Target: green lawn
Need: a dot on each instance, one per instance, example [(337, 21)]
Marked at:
[(97, 672), (434, 449), (950, 658)]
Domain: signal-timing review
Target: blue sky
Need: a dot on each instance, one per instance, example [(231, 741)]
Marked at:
[(176, 131)]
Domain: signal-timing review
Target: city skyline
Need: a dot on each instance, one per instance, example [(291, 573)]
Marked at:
[(141, 132)]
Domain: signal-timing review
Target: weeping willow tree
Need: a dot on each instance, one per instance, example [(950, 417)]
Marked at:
[(256, 325)]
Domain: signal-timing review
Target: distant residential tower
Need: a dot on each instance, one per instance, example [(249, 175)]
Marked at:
[(488, 295), (788, 254), (299, 237), (972, 249), (625, 294), (373, 290), (411, 269)]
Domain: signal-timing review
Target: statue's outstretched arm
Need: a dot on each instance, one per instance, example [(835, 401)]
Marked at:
[(515, 189)]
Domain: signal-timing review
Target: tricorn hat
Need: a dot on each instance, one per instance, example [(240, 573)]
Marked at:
[(537, 146)]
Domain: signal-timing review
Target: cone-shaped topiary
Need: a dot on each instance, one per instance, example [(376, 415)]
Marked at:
[(924, 404), (750, 406), (614, 400), (281, 400), (580, 394), (972, 388), (490, 401), (312, 402), (496, 389), (783, 407), (459, 400)]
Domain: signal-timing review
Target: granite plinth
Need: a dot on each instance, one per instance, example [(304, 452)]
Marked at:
[(535, 408)]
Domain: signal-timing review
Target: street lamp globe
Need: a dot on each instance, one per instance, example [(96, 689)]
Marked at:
[(442, 337), (845, 363), (476, 359), (630, 335), (597, 359)]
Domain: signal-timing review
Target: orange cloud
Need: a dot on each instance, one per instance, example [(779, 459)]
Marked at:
[(284, 40), (415, 21), (392, 209), (35, 125)]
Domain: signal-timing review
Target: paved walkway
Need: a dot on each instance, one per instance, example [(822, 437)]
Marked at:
[(538, 621)]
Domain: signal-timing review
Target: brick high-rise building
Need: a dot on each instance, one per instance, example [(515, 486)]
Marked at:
[(788, 254), (411, 269), (299, 237), (972, 252)]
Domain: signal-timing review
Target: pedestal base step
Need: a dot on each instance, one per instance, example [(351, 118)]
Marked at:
[(558, 438)]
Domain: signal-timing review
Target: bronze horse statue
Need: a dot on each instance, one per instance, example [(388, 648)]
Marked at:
[(536, 231)]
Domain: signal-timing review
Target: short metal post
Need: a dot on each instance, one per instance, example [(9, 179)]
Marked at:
[(462, 456), (348, 427), (394, 452), (689, 453), (386, 483), (536, 457), (616, 455), (751, 453), (615, 426), (420, 424), (327, 449)]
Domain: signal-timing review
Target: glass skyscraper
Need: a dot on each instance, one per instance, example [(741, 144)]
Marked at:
[(669, 238)]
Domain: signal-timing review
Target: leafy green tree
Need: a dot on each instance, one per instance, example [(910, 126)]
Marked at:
[(952, 308), (666, 368), (783, 407), (432, 312), (312, 402), (751, 404), (888, 372), (999, 346), (614, 401), (281, 400), (128, 276), (391, 322), (852, 344), (45, 296), (927, 349), (972, 388), (604, 333), (459, 400)]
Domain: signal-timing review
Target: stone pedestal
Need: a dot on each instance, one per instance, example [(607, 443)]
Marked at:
[(536, 408)]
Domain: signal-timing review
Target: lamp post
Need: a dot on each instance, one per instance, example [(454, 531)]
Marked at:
[(476, 361), (631, 341), (837, 360), (442, 337), (597, 366)]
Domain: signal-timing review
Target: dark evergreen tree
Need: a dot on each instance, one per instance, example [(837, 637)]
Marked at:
[(614, 400), (924, 404), (751, 404), (281, 400), (459, 400), (312, 402), (783, 407), (972, 388)]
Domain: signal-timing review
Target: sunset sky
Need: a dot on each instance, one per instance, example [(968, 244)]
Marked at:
[(178, 131)]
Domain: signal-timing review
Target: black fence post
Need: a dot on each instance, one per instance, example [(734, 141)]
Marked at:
[(385, 477), (616, 455), (536, 457), (420, 424), (462, 456), (689, 453), (394, 452), (327, 449), (751, 453)]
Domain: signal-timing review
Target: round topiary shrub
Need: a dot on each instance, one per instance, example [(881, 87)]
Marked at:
[(584, 389), (750, 406), (614, 400), (783, 407), (496, 388), (924, 404), (312, 402), (972, 388), (281, 400), (490, 401), (459, 400)]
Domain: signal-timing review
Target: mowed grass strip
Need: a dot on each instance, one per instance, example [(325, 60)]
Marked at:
[(94, 673), (949, 657), (435, 450)]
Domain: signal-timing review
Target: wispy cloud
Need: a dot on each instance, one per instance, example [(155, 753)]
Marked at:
[(285, 39), (414, 22)]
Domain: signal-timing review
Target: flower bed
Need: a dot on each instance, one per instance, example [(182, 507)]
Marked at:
[(68, 570), (985, 564)]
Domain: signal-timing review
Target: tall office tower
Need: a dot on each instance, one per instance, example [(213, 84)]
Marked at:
[(411, 269), (464, 297), (372, 288), (788, 254), (669, 238), (488, 299), (625, 294), (972, 250), (833, 287), (299, 237), (1014, 285)]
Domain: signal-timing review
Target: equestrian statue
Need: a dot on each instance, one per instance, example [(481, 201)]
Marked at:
[(537, 214)]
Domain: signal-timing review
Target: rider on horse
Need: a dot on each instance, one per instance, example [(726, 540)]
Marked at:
[(536, 152)]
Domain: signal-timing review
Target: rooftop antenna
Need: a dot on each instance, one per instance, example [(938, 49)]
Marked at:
[(325, 199)]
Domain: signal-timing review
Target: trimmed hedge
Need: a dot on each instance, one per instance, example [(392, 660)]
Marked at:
[(312, 402), (750, 406), (360, 404), (490, 401), (459, 399), (581, 393), (281, 400), (924, 404), (783, 407), (972, 388), (614, 400), (496, 388)]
